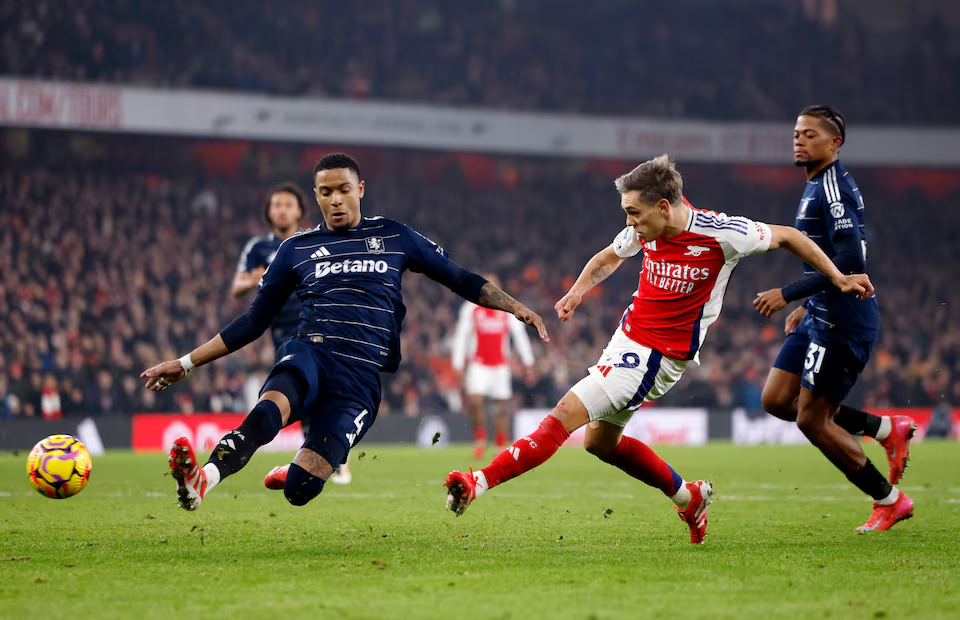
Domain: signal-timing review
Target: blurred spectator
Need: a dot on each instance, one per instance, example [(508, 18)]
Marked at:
[(744, 59), (108, 267)]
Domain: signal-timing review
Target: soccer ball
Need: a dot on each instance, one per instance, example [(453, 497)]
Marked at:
[(59, 466)]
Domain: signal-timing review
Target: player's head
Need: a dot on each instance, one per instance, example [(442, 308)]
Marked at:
[(338, 189), (818, 135), (285, 206), (647, 195)]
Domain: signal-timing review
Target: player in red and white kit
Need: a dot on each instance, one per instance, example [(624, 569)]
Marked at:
[(484, 335), (688, 257)]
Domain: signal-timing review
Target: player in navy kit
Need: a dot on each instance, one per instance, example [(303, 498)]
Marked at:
[(830, 337), (347, 276), (286, 206)]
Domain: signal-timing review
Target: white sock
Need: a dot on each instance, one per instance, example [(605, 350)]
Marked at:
[(481, 480), (889, 499), (682, 497), (885, 427), (213, 476)]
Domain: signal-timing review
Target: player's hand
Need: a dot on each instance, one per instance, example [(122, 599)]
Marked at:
[(770, 302), (530, 317), (162, 376), (857, 284), (567, 306), (793, 319)]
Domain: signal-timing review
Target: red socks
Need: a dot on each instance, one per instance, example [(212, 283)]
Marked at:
[(500, 440), (637, 459), (527, 452)]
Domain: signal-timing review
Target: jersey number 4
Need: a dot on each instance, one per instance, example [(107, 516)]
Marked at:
[(358, 422)]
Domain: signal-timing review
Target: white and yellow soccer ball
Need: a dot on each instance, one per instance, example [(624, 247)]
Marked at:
[(59, 466)]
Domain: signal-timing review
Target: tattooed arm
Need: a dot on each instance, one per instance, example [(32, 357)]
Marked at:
[(493, 297), (594, 272)]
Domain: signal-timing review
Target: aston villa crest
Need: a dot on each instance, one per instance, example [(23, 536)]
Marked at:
[(375, 245)]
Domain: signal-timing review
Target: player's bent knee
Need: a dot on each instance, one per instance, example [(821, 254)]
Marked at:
[(599, 449), (571, 412), (301, 486)]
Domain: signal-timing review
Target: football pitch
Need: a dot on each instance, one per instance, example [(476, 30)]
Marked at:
[(575, 538)]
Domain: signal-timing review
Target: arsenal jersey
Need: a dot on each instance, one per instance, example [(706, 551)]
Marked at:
[(683, 279)]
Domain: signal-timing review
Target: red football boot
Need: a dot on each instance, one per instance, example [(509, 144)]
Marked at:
[(695, 514), (277, 478), (897, 445), (191, 479), (884, 517), (461, 491)]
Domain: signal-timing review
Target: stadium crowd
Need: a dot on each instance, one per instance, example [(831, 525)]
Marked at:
[(119, 251), (691, 61)]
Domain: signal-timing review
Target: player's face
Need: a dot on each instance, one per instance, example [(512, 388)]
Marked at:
[(338, 193), (812, 143), (648, 220), (284, 211)]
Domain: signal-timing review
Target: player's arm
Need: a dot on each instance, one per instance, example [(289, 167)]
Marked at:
[(430, 259), (249, 270), (278, 283), (597, 269), (246, 281), (849, 259), (795, 242), (461, 337)]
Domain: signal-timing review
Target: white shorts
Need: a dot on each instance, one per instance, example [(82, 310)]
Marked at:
[(627, 375), (490, 381)]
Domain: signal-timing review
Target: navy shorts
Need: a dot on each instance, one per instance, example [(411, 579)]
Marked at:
[(827, 367), (342, 400)]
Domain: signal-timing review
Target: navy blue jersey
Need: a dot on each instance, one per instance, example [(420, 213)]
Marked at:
[(260, 252), (348, 283), (831, 214)]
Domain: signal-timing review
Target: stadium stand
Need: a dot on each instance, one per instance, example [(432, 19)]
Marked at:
[(516, 54)]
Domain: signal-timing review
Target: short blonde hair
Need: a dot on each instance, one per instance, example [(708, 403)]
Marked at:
[(654, 179)]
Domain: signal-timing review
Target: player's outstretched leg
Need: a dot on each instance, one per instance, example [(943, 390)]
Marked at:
[(191, 479), (525, 454), (884, 517), (897, 444), (695, 514)]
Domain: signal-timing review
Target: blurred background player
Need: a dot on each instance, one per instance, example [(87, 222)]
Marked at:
[(688, 258), (284, 210), (347, 275), (830, 337), (483, 337)]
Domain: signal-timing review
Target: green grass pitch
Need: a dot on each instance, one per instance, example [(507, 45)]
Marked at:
[(573, 539)]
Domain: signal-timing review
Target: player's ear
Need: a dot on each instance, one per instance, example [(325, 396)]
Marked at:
[(360, 187), (316, 194)]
